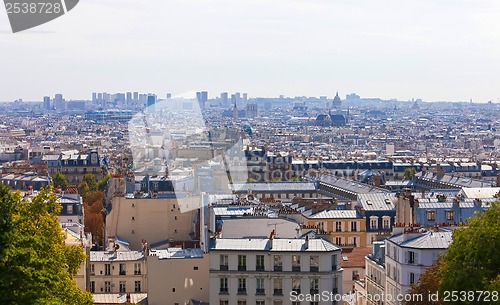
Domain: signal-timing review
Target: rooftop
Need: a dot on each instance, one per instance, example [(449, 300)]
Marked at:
[(278, 245)]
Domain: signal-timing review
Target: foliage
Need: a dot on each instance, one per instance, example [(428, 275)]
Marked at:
[(428, 283), (472, 261), (36, 267), (101, 184), (93, 218), (408, 174), (59, 180)]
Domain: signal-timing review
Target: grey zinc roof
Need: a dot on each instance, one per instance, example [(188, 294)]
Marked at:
[(350, 185), (276, 187), (428, 240), (108, 256), (377, 201), (278, 245), (336, 214), (178, 253)]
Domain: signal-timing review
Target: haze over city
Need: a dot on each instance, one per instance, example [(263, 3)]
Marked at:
[(433, 50)]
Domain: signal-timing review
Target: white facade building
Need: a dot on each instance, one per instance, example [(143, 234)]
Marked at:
[(274, 271), (407, 255)]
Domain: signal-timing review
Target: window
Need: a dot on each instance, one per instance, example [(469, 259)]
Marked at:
[(412, 278), (224, 302), (296, 284), (338, 241), (354, 226), (242, 285), (242, 302), (450, 215), (92, 269), (296, 263), (374, 223), (314, 284), (259, 264), (122, 286), (314, 263), (260, 302), (69, 209), (338, 226), (107, 269), (277, 302), (123, 269), (334, 262), (137, 269), (278, 286), (223, 262), (355, 275), (386, 223), (431, 215), (107, 286), (92, 287), (137, 286), (411, 257), (260, 286), (278, 263), (223, 285), (242, 262)]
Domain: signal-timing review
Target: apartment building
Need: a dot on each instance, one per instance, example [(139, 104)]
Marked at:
[(271, 270), (408, 253), (117, 272), (375, 274)]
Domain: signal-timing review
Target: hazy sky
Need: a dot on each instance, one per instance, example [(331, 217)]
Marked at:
[(434, 50)]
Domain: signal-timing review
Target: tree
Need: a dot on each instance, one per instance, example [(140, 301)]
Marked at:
[(101, 184), (36, 267), (409, 173), (91, 182), (93, 217), (472, 262), (428, 284), (59, 180)]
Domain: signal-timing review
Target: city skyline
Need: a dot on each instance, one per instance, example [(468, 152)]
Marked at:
[(446, 51)]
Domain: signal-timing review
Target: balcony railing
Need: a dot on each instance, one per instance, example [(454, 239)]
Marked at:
[(314, 269), (314, 291), (297, 290), (123, 272), (224, 291), (242, 291), (296, 268), (260, 291), (278, 292), (278, 268), (224, 267), (137, 272), (242, 268), (260, 268)]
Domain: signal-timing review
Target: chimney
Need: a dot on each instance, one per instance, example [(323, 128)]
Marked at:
[(498, 180), (456, 203), (377, 180), (271, 238), (306, 245), (407, 192)]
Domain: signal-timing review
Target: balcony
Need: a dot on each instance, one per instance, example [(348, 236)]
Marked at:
[(260, 291), (314, 291), (224, 291), (242, 291), (137, 272), (278, 292), (314, 269), (242, 268), (260, 268), (297, 290), (224, 268), (123, 272), (278, 268), (296, 268)]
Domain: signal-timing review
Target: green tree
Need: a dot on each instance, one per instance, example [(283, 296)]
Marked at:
[(60, 180), (428, 283), (101, 184), (472, 262), (409, 172), (91, 181), (36, 267)]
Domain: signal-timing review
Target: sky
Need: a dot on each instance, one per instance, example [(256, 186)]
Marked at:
[(443, 50)]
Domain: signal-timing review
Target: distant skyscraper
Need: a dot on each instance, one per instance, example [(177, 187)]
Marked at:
[(233, 99), (245, 97), (136, 96), (224, 98), (129, 98), (46, 103), (94, 97), (99, 97), (169, 95), (59, 102), (151, 103), (202, 98)]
